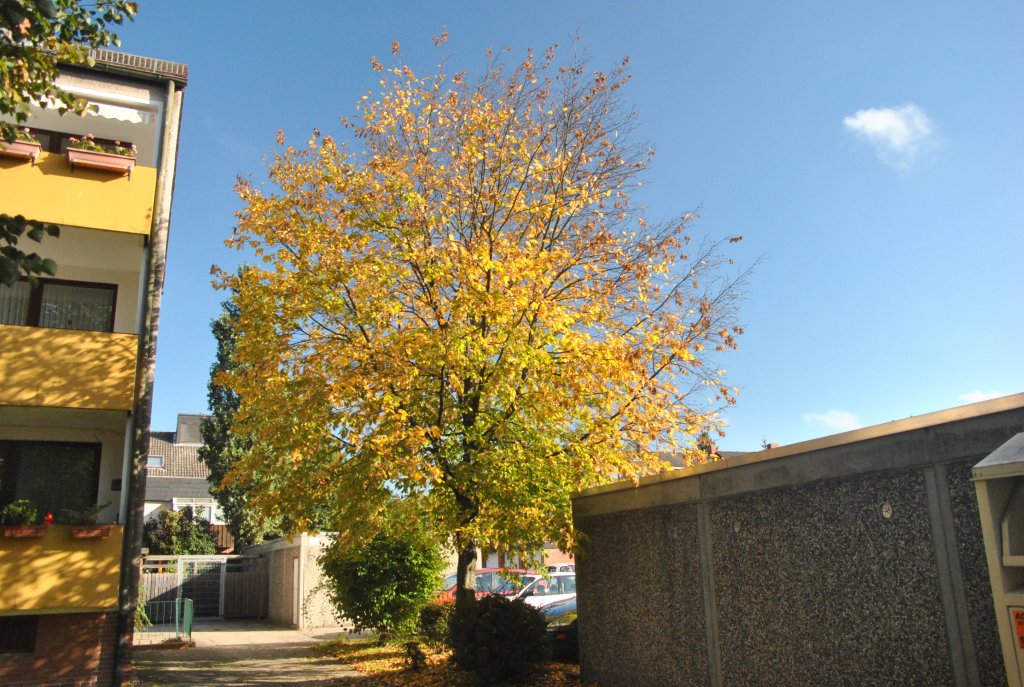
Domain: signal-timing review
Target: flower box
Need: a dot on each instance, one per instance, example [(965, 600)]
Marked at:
[(24, 150), (107, 162), (24, 531), (90, 531)]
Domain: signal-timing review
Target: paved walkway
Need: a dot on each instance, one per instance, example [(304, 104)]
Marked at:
[(242, 652)]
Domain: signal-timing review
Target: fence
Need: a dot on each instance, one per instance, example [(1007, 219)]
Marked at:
[(223, 586), (168, 621)]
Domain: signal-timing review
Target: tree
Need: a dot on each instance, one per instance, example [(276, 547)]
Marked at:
[(35, 36), (13, 260), (222, 445), (461, 306), (179, 533), (383, 584)]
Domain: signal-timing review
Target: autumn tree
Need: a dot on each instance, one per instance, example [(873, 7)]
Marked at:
[(459, 304)]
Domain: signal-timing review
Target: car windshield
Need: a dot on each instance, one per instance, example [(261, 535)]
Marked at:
[(562, 584), (507, 586)]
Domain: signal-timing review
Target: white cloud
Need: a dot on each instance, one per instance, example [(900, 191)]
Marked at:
[(977, 396), (899, 134), (841, 420)]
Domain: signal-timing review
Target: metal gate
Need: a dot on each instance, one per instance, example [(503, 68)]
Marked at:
[(219, 586)]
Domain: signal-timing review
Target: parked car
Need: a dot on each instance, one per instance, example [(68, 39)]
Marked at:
[(561, 567), (562, 629), (500, 581), (548, 590)]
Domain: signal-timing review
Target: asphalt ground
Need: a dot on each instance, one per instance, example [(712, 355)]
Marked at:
[(242, 652)]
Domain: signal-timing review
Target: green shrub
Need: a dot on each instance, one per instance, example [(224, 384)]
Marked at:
[(383, 585), (142, 620), (20, 512), (179, 533), (501, 641), (434, 620)]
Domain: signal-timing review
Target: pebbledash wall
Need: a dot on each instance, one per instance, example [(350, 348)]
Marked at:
[(852, 559)]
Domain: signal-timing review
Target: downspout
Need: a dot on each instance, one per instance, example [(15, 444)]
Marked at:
[(131, 557)]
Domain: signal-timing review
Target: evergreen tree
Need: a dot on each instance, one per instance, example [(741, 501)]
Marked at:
[(222, 446)]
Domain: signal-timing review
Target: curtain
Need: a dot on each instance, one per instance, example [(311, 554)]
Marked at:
[(14, 303), (68, 306)]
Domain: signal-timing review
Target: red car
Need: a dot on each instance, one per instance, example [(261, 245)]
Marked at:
[(492, 581)]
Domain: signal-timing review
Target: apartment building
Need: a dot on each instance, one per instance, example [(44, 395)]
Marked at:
[(77, 355)]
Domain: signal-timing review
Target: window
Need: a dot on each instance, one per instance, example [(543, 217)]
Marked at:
[(18, 634), (154, 461), (484, 582), (59, 304), (53, 476), (201, 508), (57, 141)]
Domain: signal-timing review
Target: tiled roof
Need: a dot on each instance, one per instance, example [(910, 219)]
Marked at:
[(180, 460)]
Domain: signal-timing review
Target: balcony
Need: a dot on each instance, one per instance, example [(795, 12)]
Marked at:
[(50, 191), (63, 368), (60, 573)]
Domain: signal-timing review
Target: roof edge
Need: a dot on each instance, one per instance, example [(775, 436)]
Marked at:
[(940, 417), (138, 66)]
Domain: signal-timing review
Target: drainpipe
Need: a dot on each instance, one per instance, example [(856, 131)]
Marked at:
[(131, 556)]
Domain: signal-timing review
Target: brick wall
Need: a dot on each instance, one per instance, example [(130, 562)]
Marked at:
[(71, 650)]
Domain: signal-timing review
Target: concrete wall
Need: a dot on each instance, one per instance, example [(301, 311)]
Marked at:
[(854, 559), (314, 608)]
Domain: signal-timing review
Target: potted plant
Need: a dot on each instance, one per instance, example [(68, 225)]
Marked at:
[(25, 145), (86, 152), (83, 522), (19, 519)]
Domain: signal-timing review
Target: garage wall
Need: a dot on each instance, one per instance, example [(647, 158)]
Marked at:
[(314, 608), (856, 559)]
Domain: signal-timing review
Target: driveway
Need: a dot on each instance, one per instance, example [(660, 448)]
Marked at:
[(242, 652)]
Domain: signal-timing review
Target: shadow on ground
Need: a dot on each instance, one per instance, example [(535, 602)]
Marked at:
[(243, 653)]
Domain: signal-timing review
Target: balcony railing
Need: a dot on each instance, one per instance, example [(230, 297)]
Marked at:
[(60, 572), (62, 368), (51, 191)]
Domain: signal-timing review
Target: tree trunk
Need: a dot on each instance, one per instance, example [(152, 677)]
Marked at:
[(465, 583)]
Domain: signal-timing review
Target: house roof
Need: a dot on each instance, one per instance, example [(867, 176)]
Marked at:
[(188, 429), (138, 66), (181, 458)]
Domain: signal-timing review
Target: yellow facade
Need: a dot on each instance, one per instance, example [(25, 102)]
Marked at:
[(59, 573), (50, 191), (63, 368)]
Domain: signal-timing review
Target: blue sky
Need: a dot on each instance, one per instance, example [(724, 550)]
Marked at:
[(872, 153)]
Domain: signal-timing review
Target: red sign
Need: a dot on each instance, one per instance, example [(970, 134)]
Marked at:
[(1018, 624)]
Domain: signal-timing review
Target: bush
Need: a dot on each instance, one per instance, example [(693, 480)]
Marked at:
[(434, 620), (20, 512), (383, 585), (179, 533), (501, 641)]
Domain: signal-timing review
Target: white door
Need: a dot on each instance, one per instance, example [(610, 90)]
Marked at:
[(296, 595)]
